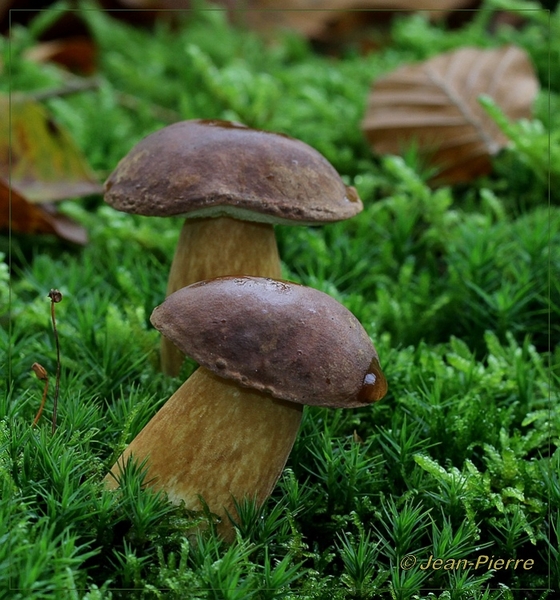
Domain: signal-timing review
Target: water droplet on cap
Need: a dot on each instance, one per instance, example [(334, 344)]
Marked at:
[(374, 386), (352, 194)]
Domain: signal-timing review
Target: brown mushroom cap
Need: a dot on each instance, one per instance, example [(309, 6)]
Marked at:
[(205, 168), (294, 342)]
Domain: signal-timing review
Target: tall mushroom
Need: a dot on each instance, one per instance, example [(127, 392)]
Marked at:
[(233, 183), (265, 347)]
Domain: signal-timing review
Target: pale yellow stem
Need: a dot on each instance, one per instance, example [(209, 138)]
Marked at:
[(216, 439), (215, 247)]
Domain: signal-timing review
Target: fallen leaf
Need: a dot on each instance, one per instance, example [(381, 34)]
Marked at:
[(20, 215), (435, 105), (39, 156), (78, 54), (324, 19)]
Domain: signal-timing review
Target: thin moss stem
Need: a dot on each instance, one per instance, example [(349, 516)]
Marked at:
[(55, 297), (42, 375)]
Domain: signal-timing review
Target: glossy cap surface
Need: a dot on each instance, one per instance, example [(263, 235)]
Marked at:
[(205, 168), (294, 342)]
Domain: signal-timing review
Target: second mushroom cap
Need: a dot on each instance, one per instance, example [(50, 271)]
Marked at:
[(294, 342)]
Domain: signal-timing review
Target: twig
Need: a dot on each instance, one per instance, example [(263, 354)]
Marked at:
[(55, 297), (131, 102), (42, 375), (73, 86)]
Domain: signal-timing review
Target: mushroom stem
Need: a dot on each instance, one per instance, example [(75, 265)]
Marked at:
[(215, 439), (213, 247)]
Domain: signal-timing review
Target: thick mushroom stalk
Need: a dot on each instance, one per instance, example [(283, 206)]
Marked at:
[(215, 439), (213, 247)]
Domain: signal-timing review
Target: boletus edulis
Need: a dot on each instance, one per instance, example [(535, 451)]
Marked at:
[(265, 348), (232, 184)]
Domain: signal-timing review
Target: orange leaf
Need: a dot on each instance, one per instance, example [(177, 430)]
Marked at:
[(24, 217), (40, 157), (77, 54), (435, 105)]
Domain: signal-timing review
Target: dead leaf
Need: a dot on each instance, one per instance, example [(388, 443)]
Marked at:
[(324, 19), (435, 105), (39, 156), (22, 216), (78, 54)]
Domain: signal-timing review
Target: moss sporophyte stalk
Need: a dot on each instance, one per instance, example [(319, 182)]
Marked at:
[(55, 297), (42, 375)]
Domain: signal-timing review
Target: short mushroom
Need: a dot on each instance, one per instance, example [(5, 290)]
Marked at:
[(233, 183), (265, 348)]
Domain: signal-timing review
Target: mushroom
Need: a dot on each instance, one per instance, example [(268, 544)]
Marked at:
[(233, 183), (265, 348)]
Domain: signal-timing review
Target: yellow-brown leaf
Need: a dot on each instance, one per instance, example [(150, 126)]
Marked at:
[(39, 156)]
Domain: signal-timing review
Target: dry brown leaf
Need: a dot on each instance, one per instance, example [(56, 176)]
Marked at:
[(157, 4), (77, 54), (435, 105), (22, 216), (321, 19), (39, 156)]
